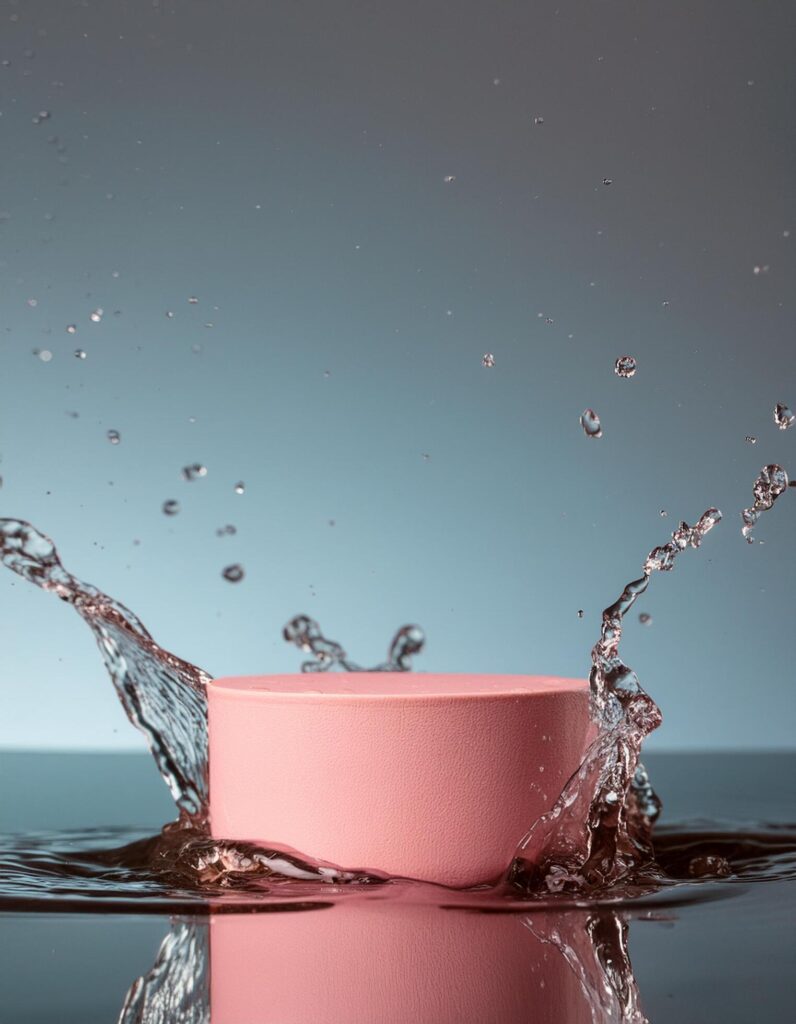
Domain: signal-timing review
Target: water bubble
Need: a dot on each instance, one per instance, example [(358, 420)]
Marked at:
[(226, 531), (783, 417), (239, 487), (71, 328), (114, 436), (751, 439), (590, 422), (625, 366), (645, 618), (96, 315), (79, 353), (488, 360), (43, 353), (170, 507), (233, 573), (449, 179), (608, 181), (538, 120), (194, 471)]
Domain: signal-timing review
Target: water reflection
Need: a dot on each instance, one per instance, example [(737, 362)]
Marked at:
[(390, 962)]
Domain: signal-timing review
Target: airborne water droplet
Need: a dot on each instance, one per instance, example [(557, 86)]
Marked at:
[(488, 360), (71, 329), (750, 439), (783, 417), (608, 181), (449, 179), (114, 436), (171, 507), (233, 573), (193, 300), (538, 120), (79, 353), (590, 422), (194, 471), (96, 315), (226, 531), (43, 353), (625, 366), (240, 487), (645, 618), (580, 613)]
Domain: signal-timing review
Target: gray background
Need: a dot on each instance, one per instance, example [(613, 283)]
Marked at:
[(284, 163)]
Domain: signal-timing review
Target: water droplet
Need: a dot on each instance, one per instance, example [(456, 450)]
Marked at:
[(240, 487), (751, 439), (193, 300), (226, 531), (71, 328), (449, 179), (79, 353), (194, 471), (625, 366), (488, 360), (538, 119), (33, 303), (233, 573), (549, 320), (760, 269), (580, 613), (169, 314), (171, 507), (114, 436), (645, 618), (608, 181), (426, 456), (96, 315), (783, 417), (663, 513), (43, 115), (43, 353), (590, 422)]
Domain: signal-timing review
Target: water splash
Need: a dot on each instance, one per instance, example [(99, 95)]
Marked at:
[(599, 831), (770, 484), (163, 696), (306, 634)]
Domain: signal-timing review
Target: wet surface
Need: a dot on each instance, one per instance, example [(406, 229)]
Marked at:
[(724, 957)]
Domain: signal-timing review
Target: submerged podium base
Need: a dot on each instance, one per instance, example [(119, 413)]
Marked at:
[(435, 777)]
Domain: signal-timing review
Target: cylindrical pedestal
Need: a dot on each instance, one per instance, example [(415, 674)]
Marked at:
[(435, 777)]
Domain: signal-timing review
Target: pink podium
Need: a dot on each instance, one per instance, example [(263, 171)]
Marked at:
[(434, 777)]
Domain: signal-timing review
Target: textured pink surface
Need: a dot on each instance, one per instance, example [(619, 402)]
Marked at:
[(380, 963), (426, 776)]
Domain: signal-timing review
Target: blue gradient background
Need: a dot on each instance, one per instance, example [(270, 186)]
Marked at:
[(284, 163)]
